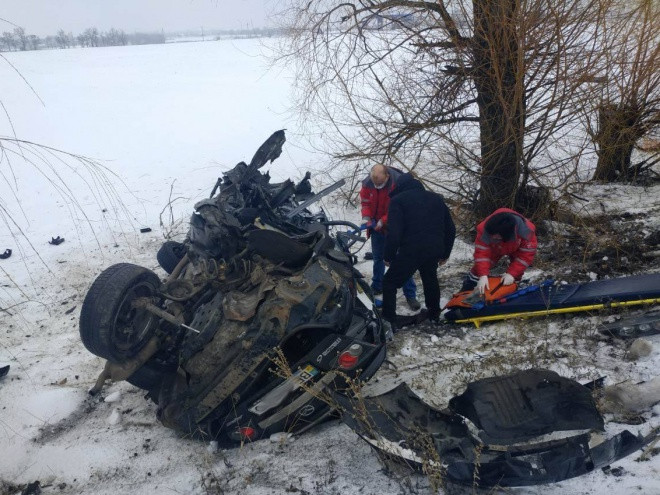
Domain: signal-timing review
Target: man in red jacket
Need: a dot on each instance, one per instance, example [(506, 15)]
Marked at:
[(375, 200), (504, 233)]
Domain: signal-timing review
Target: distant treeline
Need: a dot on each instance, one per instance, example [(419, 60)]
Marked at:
[(247, 33), (19, 40)]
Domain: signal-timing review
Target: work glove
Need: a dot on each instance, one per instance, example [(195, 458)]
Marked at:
[(482, 285), (379, 226), (507, 279)]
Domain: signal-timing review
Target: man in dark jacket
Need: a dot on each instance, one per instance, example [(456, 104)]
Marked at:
[(420, 236)]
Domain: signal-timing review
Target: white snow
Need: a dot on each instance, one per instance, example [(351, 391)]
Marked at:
[(113, 397), (115, 417), (281, 437), (167, 120)]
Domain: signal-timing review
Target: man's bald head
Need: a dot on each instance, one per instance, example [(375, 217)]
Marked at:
[(379, 175)]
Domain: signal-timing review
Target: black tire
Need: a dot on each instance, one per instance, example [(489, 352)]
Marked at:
[(169, 255), (109, 325)]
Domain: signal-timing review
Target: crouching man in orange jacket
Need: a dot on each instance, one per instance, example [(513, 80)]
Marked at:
[(503, 233)]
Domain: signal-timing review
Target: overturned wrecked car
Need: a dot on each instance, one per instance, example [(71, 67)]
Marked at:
[(261, 313), (264, 325)]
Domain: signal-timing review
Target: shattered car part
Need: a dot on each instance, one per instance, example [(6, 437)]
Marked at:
[(258, 321), (523, 405), (633, 327), (315, 198), (170, 255), (547, 462), (400, 424), (404, 428)]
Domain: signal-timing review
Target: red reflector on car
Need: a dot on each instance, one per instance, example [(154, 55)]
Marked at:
[(247, 432), (347, 360)]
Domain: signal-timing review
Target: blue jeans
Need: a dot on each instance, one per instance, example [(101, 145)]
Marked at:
[(378, 250)]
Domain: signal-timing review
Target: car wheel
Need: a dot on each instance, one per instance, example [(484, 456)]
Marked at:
[(110, 326), (169, 255)]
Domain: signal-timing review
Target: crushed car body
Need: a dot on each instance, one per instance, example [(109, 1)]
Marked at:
[(259, 316), (263, 325)]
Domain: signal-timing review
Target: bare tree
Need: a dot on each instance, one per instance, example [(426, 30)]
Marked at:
[(122, 38), (62, 39), (21, 37), (116, 37), (92, 37), (8, 41), (33, 42), (482, 90), (83, 41), (51, 42), (629, 107)]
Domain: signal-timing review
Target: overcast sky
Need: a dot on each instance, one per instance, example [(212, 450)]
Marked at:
[(43, 17)]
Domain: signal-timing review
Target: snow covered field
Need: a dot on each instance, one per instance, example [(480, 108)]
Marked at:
[(167, 120)]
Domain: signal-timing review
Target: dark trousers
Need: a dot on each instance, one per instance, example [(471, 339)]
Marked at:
[(401, 269), (378, 250)]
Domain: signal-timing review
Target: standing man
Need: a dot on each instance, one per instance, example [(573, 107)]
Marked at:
[(504, 232), (375, 200), (420, 237)]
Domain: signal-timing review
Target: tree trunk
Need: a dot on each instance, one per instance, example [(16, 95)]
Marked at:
[(498, 76), (617, 134)]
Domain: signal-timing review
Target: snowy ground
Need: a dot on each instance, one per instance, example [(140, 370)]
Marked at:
[(153, 114)]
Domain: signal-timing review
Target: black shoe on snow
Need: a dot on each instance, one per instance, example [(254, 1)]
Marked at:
[(413, 303)]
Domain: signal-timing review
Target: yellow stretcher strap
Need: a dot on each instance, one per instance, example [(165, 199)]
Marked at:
[(478, 320)]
